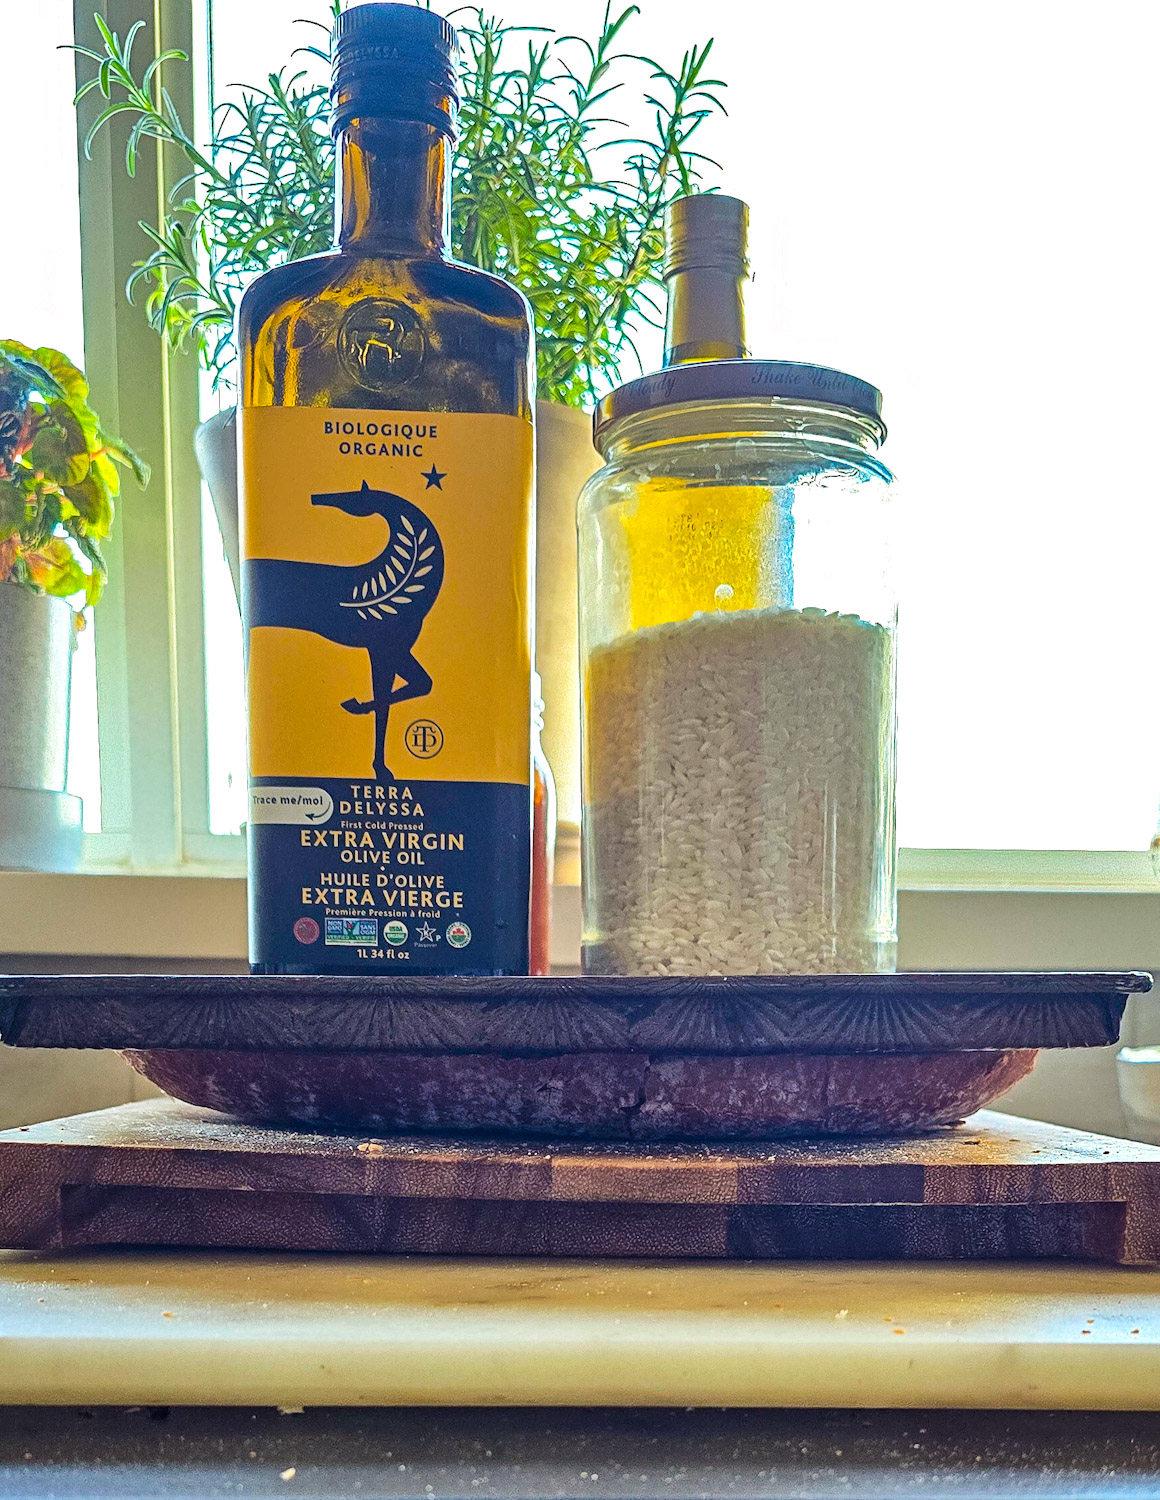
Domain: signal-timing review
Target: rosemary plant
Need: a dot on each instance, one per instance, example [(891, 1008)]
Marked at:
[(549, 190)]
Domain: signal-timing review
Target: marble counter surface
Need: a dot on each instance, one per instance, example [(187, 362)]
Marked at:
[(249, 1329)]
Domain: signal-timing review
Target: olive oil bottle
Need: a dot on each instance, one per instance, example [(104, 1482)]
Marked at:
[(386, 437)]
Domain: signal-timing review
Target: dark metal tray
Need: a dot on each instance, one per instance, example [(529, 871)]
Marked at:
[(912, 1012)]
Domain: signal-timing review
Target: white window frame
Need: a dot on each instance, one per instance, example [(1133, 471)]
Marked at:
[(150, 630)]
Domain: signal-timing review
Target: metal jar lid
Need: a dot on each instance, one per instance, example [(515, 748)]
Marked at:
[(739, 379)]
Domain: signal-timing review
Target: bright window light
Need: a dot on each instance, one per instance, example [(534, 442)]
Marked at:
[(40, 270), (955, 202)]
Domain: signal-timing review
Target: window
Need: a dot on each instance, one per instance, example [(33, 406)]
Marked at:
[(950, 201), (40, 276), (40, 266)]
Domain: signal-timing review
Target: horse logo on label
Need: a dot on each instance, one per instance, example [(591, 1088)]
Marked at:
[(377, 606)]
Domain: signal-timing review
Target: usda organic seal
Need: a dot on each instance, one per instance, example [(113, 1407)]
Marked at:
[(395, 932)]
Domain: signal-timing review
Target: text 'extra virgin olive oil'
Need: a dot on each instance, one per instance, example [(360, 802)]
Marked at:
[(386, 432)]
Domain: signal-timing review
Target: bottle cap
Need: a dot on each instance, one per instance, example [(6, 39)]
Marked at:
[(707, 230), (395, 61)]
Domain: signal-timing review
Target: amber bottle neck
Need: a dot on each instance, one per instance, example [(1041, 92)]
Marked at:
[(394, 181)]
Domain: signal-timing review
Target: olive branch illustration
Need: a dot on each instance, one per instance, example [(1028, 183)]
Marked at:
[(398, 580)]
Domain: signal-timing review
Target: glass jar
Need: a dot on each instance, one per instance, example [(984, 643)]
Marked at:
[(738, 655)]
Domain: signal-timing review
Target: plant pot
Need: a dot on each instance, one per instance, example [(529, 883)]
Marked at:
[(40, 823), (215, 443), (565, 458)]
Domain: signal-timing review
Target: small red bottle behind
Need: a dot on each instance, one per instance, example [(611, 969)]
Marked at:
[(543, 840)]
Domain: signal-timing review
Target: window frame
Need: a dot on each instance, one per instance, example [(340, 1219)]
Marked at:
[(149, 634)]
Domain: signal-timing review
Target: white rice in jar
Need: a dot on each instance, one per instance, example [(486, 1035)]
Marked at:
[(736, 801)]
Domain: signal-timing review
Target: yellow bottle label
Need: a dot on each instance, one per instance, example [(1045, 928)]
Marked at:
[(387, 608)]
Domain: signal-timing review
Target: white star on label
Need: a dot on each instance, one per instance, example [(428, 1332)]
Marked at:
[(426, 933)]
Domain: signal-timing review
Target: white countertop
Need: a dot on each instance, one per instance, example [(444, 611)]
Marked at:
[(258, 1329)]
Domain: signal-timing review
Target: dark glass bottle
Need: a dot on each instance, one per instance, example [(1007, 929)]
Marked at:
[(387, 397)]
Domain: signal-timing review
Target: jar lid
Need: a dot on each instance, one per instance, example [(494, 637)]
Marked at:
[(739, 379)]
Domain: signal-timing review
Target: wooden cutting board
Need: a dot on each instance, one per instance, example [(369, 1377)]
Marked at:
[(164, 1173)]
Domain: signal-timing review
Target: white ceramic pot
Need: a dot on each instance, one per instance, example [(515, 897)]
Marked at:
[(40, 823), (216, 444), (565, 458)]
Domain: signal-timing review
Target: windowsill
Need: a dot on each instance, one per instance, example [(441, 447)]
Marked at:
[(945, 921), (1077, 871), (1071, 871)]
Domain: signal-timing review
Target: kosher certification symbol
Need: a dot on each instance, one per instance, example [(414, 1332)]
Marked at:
[(426, 933), (306, 930), (424, 739), (459, 934)]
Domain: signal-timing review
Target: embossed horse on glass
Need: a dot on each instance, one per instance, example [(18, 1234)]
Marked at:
[(379, 606)]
